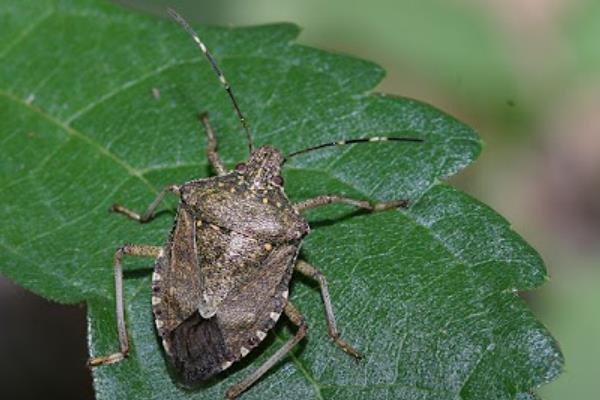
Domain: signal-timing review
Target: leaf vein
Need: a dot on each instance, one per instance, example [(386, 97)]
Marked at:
[(81, 136), (129, 84), (25, 33), (80, 218)]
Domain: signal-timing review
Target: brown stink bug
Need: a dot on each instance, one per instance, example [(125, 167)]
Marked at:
[(221, 282)]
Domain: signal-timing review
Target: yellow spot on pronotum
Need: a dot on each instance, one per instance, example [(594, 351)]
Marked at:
[(199, 222), (232, 190), (278, 204), (265, 200), (268, 246)]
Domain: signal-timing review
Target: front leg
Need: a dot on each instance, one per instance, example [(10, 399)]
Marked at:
[(211, 149), (331, 199), (149, 214)]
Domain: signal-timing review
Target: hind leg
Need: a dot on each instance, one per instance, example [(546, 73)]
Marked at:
[(297, 319)]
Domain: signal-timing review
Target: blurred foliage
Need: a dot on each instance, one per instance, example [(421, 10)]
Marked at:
[(582, 29), (570, 307)]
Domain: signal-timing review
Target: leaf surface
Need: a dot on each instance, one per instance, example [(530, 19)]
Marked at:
[(428, 294)]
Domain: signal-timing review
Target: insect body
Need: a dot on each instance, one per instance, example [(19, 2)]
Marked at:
[(221, 281), (228, 265)]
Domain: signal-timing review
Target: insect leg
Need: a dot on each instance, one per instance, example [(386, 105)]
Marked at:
[(149, 214), (330, 199), (211, 149), (297, 319), (130, 250), (308, 270)]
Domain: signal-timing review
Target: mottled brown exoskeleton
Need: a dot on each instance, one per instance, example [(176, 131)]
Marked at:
[(221, 282)]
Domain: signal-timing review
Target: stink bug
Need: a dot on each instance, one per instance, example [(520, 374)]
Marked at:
[(221, 281)]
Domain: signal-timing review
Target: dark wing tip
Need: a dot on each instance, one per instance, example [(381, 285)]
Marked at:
[(198, 349)]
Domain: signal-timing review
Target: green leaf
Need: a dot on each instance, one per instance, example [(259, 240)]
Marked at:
[(428, 294)]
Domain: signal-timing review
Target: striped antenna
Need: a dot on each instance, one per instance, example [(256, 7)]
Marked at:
[(179, 19), (353, 141)]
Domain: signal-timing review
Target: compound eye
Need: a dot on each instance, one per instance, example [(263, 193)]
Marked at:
[(278, 180), (241, 167)]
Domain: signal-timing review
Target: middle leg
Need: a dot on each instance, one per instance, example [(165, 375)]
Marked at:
[(331, 199), (297, 319)]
